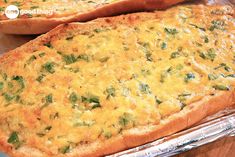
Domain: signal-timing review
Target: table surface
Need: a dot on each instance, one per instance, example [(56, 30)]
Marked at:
[(221, 148)]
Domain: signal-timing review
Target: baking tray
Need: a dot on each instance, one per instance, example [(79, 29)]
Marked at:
[(210, 129)]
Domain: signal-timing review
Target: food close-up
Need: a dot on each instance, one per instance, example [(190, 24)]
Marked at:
[(117, 78)]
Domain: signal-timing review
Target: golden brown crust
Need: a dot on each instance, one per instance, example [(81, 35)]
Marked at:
[(41, 25), (133, 137)]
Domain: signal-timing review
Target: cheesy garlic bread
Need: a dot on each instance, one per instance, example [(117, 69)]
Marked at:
[(40, 16), (100, 87)]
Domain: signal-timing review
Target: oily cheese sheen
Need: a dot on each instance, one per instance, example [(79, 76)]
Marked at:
[(110, 84), (40, 16)]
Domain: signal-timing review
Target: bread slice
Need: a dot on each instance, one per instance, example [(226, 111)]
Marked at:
[(92, 89), (46, 15)]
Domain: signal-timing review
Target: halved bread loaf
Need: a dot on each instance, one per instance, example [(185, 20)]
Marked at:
[(40, 16)]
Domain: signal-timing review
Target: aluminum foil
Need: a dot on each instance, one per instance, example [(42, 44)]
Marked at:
[(212, 128)]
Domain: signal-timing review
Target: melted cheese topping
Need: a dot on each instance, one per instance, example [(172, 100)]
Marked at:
[(51, 8), (83, 87)]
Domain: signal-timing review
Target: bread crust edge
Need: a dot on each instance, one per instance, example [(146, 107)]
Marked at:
[(41, 25)]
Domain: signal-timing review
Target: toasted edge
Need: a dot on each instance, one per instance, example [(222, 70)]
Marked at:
[(41, 25)]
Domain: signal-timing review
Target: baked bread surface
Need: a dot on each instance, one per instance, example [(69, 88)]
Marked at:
[(91, 89)]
